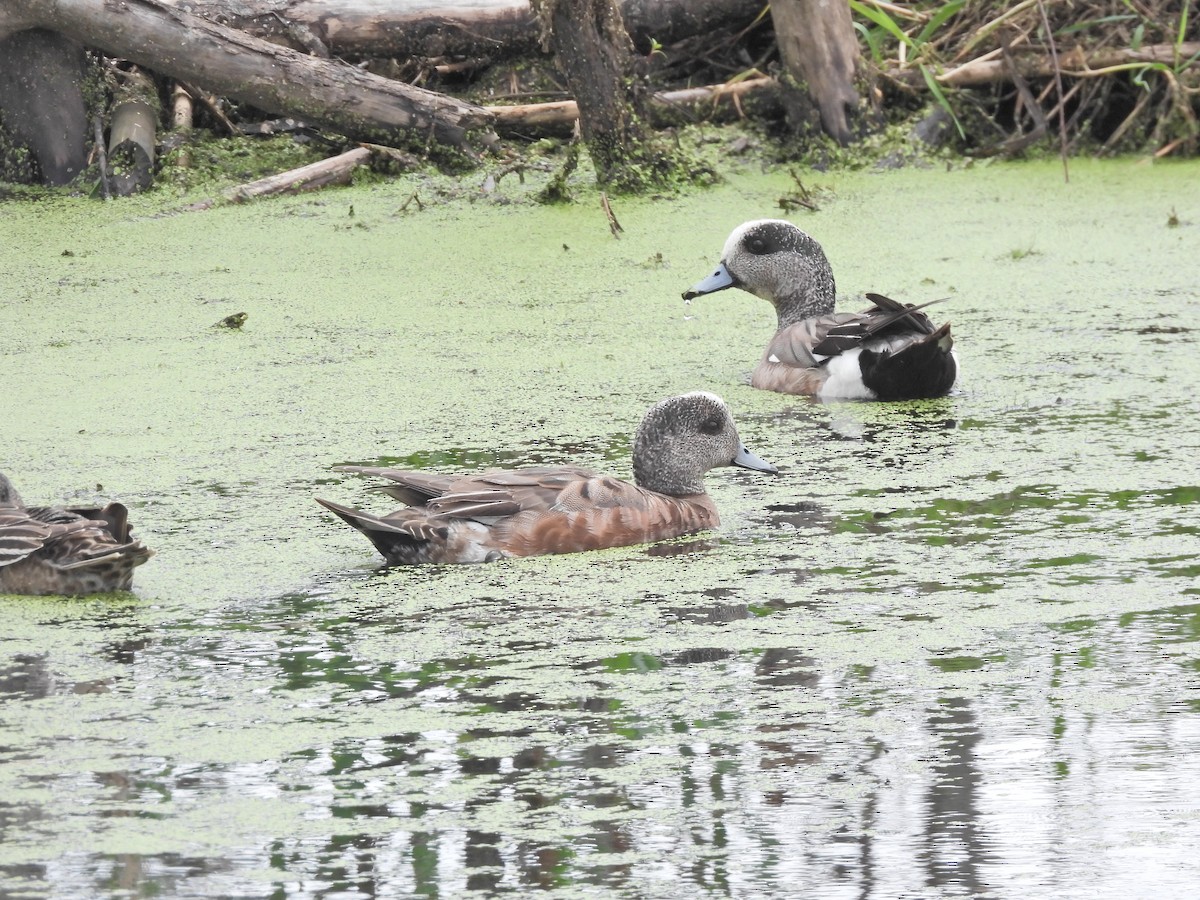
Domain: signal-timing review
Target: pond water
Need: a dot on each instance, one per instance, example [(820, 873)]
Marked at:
[(952, 650)]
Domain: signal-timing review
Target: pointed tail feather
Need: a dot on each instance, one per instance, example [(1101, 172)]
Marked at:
[(397, 541), (900, 311)]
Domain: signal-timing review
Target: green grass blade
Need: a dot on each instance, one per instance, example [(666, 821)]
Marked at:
[(872, 38), (940, 96), (883, 20), (938, 20)]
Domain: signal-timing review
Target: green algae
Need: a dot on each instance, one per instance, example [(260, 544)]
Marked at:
[(1018, 556)]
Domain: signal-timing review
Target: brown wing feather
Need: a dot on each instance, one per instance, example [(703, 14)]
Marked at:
[(491, 495), (51, 550), (21, 536), (410, 488)]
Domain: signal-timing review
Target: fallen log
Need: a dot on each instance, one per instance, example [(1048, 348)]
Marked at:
[(560, 116), (276, 79), (496, 29), (335, 170), (1074, 63), (41, 96)]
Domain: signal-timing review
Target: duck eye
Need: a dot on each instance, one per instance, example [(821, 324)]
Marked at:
[(712, 425), (756, 245)]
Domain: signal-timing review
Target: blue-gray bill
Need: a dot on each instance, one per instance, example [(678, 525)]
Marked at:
[(748, 460), (717, 281)]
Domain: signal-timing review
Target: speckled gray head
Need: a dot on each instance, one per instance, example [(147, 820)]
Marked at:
[(8, 494), (775, 260), (681, 438)]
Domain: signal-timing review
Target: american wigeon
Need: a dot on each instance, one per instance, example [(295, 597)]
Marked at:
[(53, 550), (889, 352), (562, 509)]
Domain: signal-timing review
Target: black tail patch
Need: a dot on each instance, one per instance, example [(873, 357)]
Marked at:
[(923, 369)]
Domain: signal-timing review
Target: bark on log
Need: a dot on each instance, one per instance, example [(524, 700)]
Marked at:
[(273, 78), (820, 50), (497, 29)]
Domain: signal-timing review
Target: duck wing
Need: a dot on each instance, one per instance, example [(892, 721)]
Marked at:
[(491, 496), (21, 536), (806, 344), (67, 539), (410, 488), (484, 497), (887, 318)]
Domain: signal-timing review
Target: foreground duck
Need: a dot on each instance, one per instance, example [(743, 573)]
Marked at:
[(889, 352), (562, 509), (53, 550)]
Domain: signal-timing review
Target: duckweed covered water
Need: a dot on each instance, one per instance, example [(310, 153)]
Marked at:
[(952, 650)]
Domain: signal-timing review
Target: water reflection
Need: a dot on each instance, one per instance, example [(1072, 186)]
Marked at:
[(576, 790), (954, 851)]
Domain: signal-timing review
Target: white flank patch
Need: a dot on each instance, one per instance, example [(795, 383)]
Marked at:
[(845, 379)]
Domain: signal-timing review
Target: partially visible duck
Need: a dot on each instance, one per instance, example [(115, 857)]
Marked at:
[(888, 352), (562, 509), (53, 550)]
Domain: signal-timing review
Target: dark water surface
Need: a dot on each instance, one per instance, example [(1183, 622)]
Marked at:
[(953, 650)]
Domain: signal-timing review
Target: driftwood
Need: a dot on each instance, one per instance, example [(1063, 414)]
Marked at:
[(182, 116), (561, 115), (181, 109), (496, 29), (335, 170), (233, 64), (1074, 63)]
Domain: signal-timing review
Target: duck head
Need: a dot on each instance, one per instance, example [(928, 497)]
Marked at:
[(775, 260), (681, 438)]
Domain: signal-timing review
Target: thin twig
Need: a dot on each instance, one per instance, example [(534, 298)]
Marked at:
[(991, 26), (1062, 114), (900, 12), (613, 225)]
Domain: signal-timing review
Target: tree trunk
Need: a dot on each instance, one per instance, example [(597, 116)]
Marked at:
[(820, 51), (273, 78), (41, 98), (592, 47)]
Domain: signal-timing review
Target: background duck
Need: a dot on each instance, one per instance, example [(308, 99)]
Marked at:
[(562, 509), (889, 352), (54, 550)]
